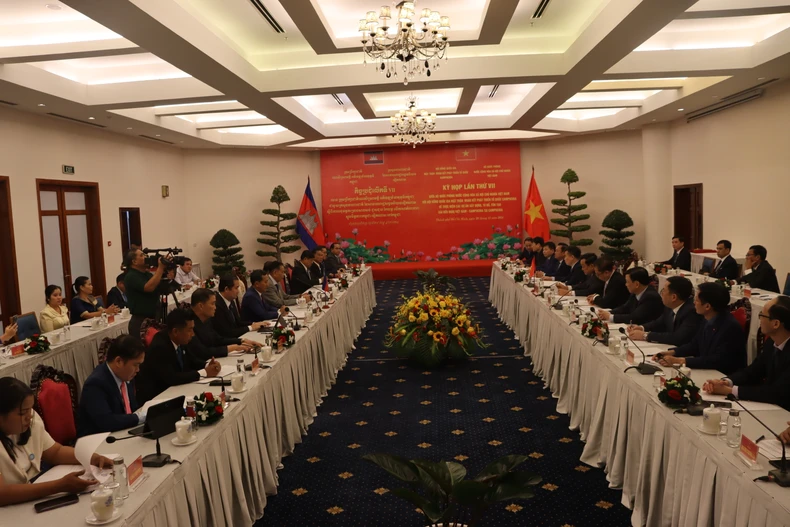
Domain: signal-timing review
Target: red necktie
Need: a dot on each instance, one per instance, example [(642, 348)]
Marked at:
[(125, 397)]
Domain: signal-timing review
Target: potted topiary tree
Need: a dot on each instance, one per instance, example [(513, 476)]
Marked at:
[(568, 210), (276, 235), (227, 253), (617, 240), (447, 497)]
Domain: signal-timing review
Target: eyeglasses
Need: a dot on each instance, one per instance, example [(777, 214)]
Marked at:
[(764, 316)]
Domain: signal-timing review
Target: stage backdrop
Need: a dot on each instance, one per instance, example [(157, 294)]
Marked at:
[(433, 202)]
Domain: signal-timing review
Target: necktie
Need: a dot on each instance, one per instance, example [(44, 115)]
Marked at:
[(180, 357), (234, 313), (125, 396), (604, 287)]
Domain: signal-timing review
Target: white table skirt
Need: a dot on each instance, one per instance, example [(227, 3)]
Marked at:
[(226, 475), (77, 357), (669, 473)]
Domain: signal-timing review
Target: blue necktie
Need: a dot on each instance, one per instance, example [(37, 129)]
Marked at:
[(180, 357)]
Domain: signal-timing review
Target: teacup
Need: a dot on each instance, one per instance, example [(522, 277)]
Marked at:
[(125, 313), (95, 323), (237, 382), (266, 353), (184, 430), (102, 504)]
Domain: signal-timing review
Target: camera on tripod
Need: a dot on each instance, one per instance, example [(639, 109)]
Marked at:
[(168, 256)]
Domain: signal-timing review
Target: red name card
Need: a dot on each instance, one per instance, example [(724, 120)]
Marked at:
[(255, 366), (17, 350), (629, 357), (749, 449), (110, 319), (135, 471)]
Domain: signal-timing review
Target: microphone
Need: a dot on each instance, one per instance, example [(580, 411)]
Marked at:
[(557, 305), (113, 439), (592, 310), (644, 368), (780, 475)]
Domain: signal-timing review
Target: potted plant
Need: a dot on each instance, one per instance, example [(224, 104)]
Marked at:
[(617, 238), (278, 234), (430, 279), (227, 253), (570, 212), (447, 496)]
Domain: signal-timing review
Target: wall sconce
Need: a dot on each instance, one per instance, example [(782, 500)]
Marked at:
[(165, 191)]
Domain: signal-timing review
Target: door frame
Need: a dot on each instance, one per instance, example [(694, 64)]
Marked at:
[(95, 240), (8, 246), (121, 211)]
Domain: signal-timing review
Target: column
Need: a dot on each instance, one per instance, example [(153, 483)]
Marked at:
[(657, 171)]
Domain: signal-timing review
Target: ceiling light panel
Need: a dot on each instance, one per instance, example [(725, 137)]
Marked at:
[(113, 70), (254, 130), (433, 101), (327, 109), (725, 5), (715, 33), (205, 118), (628, 95), (504, 101), (583, 115), (30, 23)]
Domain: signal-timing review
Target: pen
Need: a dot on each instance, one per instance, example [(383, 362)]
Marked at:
[(759, 439)]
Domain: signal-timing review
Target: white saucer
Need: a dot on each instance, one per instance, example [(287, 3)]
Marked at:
[(699, 427), (231, 390), (268, 361), (176, 442), (90, 519)]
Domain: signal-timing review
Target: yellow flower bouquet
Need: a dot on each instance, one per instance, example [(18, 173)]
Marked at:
[(431, 327)]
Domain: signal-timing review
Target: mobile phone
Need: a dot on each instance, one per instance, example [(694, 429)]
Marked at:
[(14, 319), (56, 503)]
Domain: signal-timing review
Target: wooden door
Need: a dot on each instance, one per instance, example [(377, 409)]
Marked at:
[(688, 214)]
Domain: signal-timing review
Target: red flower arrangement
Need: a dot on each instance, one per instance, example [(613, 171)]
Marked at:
[(208, 410), (36, 344), (679, 393)]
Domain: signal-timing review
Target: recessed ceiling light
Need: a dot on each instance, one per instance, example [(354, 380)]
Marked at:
[(158, 135), (654, 120), (41, 104), (760, 78), (128, 127), (680, 109), (91, 118), (715, 96), (54, 7)]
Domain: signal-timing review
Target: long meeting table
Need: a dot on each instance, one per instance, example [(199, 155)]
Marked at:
[(669, 472), (223, 479)]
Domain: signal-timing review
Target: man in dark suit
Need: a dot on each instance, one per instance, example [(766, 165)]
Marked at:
[(253, 306), (526, 251), (767, 379), (169, 361), (575, 275), (720, 343), (108, 402), (590, 284), (644, 305), (726, 268), (319, 265), (302, 278), (561, 274), (614, 292), (227, 320), (274, 295), (680, 321), (207, 343), (117, 295), (762, 275), (550, 264), (333, 264), (537, 252), (681, 257)]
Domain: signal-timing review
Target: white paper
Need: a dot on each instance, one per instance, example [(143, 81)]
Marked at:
[(86, 447), (224, 372), (236, 353), (770, 448)]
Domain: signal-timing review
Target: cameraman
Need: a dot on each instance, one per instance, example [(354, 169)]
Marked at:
[(141, 289)]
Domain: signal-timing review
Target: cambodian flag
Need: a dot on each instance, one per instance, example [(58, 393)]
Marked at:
[(308, 224)]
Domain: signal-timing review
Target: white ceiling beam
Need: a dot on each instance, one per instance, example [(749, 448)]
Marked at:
[(68, 51), (189, 109)]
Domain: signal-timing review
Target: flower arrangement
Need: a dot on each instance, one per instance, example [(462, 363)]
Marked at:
[(431, 327), (36, 344), (659, 268), (519, 276), (679, 392), (284, 336), (211, 283), (343, 283), (355, 271), (726, 283), (596, 329), (505, 265), (208, 410)]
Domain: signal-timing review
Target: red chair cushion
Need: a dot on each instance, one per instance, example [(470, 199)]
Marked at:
[(740, 316), (149, 335), (57, 412)]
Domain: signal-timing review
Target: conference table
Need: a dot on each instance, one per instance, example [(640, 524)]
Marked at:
[(669, 472), (225, 477)]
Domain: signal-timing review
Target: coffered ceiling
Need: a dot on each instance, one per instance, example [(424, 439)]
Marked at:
[(290, 73)]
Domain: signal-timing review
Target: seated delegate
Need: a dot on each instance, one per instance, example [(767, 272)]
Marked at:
[(54, 315), (643, 305), (680, 321), (550, 264), (591, 285), (25, 444), (614, 292), (208, 343), (227, 319), (117, 295), (681, 257), (759, 273), (253, 305), (83, 303)]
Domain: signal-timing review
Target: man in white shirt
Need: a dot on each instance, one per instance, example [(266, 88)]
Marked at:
[(185, 277)]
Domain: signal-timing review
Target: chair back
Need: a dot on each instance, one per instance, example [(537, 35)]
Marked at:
[(99, 302), (27, 326), (104, 347), (56, 401), (148, 329), (707, 265), (786, 290), (196, 270), (742, 311)]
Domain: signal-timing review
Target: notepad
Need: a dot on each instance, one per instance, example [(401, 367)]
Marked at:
[(224, 372)]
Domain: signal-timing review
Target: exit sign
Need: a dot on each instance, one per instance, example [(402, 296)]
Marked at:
[(68, 169)]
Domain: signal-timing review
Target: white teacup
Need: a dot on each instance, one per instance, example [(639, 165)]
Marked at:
[(125, 312), (95, 323), (237, 382), (266, 353), (102, 504), (184, 430)]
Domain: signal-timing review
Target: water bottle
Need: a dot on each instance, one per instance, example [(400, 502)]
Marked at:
[(734, 429), (240, 366), (119, 476)]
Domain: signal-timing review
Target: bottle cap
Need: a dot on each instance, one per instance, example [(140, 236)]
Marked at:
[(117, 461)]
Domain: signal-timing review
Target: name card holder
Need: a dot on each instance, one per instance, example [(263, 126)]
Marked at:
[(17, 350), (136, 474), (747, 453), (629, 357)]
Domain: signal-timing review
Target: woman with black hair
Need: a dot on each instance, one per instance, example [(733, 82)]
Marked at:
[(55, 315), (24, 444), (83, 303)]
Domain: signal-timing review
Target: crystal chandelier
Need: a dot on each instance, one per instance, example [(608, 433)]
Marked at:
[(416, 43), (412, 126)]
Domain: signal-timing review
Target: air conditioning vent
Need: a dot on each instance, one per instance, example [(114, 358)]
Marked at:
[(728, 102), (258, 4), (541, 8), (493, 91), (9, 103), (157, 139), (72, 119), (337, 99)]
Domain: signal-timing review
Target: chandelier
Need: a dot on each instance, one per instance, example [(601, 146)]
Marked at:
[(416, 43), (412, 126)]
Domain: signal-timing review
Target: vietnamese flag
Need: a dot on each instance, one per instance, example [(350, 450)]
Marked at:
[(536, 222), (308, 224)]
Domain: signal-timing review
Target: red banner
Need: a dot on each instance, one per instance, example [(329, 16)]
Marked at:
[(434, 202)]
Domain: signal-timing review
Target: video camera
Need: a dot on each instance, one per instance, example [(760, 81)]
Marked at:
[(168, 256)]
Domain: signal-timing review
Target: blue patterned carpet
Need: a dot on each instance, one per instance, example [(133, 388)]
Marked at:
[(473, 413)]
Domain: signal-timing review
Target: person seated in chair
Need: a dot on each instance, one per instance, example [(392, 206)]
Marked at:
[(274, 294), (108, 402), (333, 263), (726, 268), (25, 445), (253, 305), (55, 315), (643, 305), (575, 275), (526, 251), (169, 362), (562, 269), (319, 264), (550, 264), (537, 252), (227, 319), (303, 278), (185, 277), (759, 273), (720, 343), (680, 321), (590, 284), (208, 343), (117, 295), (767, 379), (84, 305), (681, 257), (614, 293)]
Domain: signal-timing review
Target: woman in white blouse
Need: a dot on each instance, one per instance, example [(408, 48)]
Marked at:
[(24, 443), (55, 315)]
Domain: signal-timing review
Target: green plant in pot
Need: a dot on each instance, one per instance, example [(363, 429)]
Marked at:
[(447, 496), (430, 279)]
